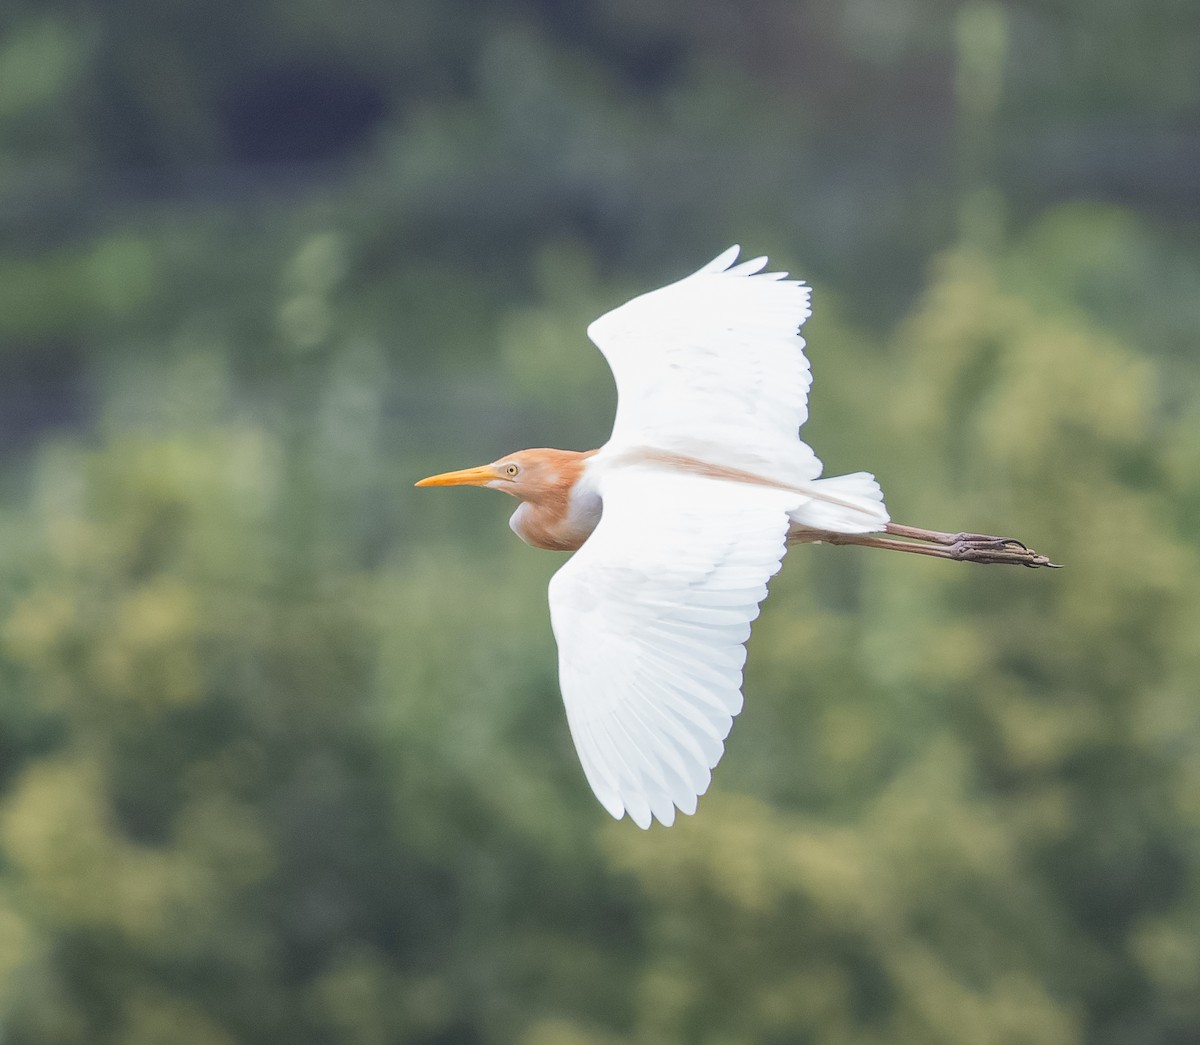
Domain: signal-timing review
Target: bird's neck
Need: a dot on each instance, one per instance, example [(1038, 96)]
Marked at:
[(564, 515)]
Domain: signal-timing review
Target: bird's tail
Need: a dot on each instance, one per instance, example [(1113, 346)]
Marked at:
[(843, 504)]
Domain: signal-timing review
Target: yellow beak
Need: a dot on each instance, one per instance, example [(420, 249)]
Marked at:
[(480, 476)]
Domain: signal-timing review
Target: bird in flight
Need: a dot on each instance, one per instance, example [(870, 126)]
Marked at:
[(679, 521)]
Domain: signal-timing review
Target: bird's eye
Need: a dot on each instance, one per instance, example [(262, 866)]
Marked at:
[(511, 470)]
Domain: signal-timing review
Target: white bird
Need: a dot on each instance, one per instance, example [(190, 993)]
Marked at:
[(679, 521)]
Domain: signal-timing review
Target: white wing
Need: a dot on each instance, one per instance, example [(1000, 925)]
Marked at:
[(717, 353), (650, 616)]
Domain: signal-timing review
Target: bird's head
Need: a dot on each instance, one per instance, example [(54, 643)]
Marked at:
[(551, 513), (529, 475)]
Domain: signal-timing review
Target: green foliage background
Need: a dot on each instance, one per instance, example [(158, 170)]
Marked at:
[(281, 751)]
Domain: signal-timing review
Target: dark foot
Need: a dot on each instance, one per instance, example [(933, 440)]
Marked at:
[(978, 547)]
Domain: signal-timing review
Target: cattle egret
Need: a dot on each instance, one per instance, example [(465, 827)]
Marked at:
[(679, 521)]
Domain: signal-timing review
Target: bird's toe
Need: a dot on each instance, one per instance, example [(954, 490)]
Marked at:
[(987, 549)]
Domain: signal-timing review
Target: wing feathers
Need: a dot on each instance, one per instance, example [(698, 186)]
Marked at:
[(723, 260), (747, 268), (715, 353), (650, 617)]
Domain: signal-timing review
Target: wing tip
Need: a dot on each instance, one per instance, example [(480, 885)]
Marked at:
[(645, 819), (724, 260), (724, 264)]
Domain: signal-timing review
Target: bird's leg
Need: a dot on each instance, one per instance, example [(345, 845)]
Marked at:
[(964, 547)]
